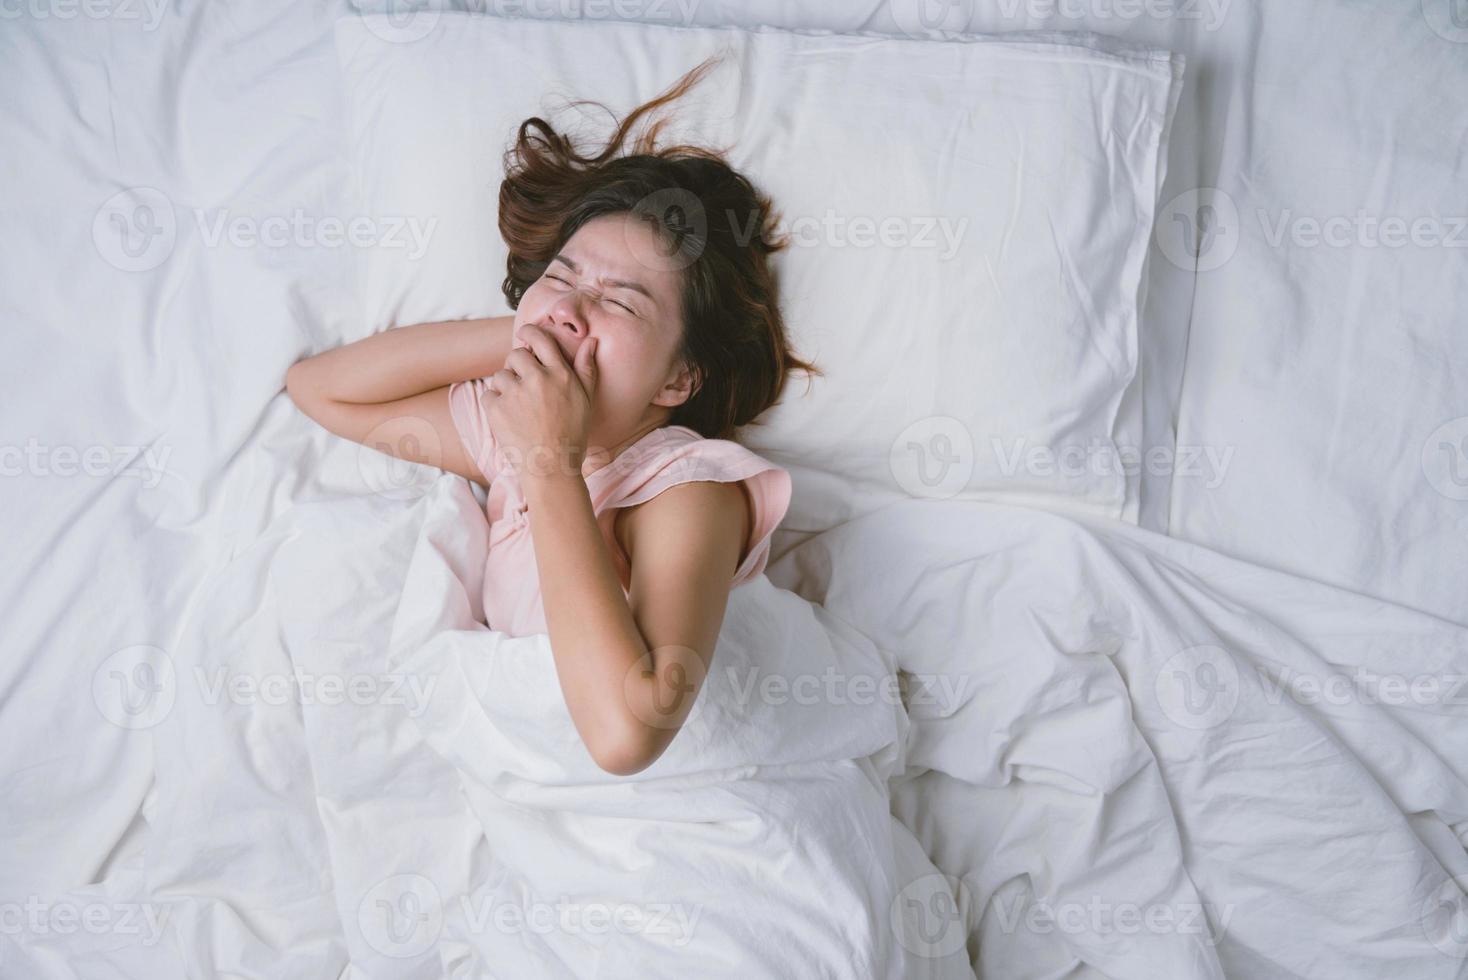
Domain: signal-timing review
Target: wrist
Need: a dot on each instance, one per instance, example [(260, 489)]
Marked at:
[(537, 482), (546, 461)]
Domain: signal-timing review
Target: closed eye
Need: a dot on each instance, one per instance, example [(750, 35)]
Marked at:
[(565, 282)]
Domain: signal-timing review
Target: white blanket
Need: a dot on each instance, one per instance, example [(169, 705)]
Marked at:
[(1164, 762)]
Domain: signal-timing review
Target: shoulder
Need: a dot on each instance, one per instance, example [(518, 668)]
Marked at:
[(698, 516), (718, 481)]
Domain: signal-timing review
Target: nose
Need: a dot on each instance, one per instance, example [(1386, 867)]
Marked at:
[(567, 316)]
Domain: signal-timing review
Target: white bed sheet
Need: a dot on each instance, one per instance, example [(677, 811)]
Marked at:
[(150, 452)]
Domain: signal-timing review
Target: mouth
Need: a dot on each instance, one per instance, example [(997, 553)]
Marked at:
[(569, 355)]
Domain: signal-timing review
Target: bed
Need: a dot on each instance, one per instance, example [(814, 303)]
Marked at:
[(1221, 731)]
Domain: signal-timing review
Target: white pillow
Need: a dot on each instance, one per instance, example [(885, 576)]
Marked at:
[(970, 220)]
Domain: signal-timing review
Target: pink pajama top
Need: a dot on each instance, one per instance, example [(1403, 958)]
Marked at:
[(663, 458)]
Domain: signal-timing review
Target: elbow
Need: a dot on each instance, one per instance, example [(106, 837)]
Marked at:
[(625, 756), (304, 389), (296, 382)]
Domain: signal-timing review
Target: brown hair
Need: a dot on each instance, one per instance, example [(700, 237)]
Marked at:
[(713, 224)]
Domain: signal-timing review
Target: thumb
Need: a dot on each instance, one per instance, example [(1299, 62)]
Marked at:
[(585, 365)]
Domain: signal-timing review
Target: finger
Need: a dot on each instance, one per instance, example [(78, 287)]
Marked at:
[(502, 380), (543, 348), (521, 361)]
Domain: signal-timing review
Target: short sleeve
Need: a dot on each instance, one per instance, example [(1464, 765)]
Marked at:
[(467, 410), (723, 461), (769, 491)]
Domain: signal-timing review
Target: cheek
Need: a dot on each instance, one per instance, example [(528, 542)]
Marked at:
[(532, 308), (620, 365), (537, 299), (631, 366)]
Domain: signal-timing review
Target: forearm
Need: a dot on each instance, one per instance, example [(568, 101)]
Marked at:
[(406, 361), (599, 650)]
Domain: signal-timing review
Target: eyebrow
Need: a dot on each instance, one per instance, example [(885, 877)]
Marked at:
[(636, 287)]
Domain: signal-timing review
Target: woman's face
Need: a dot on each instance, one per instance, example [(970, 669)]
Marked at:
[(612, 281)]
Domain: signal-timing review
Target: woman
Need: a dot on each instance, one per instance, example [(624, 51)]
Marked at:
[(598, 416)]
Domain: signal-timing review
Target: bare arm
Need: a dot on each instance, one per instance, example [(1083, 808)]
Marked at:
[(631, 665), (390, 391)]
